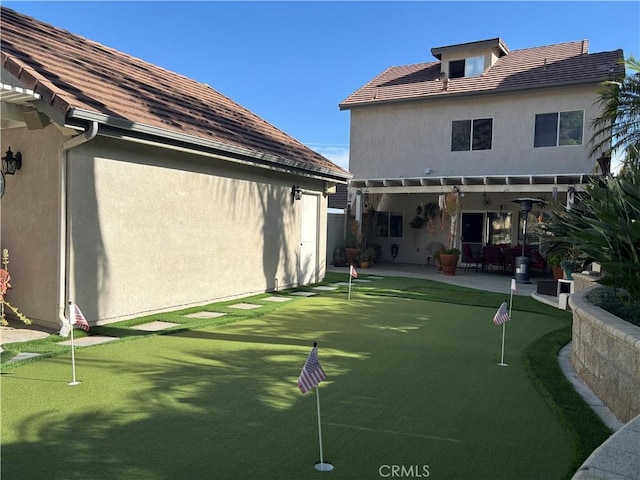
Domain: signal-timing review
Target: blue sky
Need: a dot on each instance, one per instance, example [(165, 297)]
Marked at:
[(292, 63)]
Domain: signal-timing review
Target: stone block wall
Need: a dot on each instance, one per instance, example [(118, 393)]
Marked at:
[(606, 355)]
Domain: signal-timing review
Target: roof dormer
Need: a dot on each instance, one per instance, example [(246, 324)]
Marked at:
[(469, 59)]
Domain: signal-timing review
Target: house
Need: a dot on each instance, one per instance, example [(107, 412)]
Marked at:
[(142, 190), (487, 122)]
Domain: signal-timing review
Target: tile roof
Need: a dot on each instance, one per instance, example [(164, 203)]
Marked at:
[(75, 74), (538, 67)]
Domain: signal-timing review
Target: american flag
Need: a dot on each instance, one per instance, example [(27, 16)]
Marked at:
[(502, 315), (77, 318), (352, 271), (312, 373)]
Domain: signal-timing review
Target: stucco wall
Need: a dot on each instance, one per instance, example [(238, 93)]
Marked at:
[(154, 230), (29, 212), (150, 229), (403, 139), (606, 355)]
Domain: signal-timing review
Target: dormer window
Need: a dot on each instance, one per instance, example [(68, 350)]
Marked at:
[(468, 67)]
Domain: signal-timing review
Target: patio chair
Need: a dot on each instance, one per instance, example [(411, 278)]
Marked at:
[(431, 249), (509, 259), (491, 257), (471, 255), (539, 262)]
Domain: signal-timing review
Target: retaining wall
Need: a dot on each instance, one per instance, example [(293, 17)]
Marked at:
[(606, 355)]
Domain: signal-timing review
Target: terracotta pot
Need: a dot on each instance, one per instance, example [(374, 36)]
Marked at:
[(352, 256), (449, 263), (557, 272)]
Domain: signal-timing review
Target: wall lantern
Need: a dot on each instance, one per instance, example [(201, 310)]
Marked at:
[(11, 162), (604, 163), (296, 193)]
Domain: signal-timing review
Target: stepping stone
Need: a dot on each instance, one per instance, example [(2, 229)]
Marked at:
[(359, 280), (325, 288), (86, 341), (154, 326), (277, 299), (342, 283), (23, 356), (304, 294), (375, 277), (245, 306), (205, 315)]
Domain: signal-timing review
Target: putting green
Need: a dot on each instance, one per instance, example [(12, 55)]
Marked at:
[(412, 385)]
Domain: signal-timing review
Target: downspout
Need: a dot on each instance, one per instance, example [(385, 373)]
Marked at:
[(63, 217)]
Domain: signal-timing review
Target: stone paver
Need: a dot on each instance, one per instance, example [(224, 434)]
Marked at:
[(87, 341), (325, 288), (304, 294), (245, 306), (154, 326), (205, 315), (277, 299)]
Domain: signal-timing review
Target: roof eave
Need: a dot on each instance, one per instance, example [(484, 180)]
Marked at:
[(225, 151), (440, 95)]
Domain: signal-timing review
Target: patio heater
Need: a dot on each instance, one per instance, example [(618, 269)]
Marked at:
[(523, 263)]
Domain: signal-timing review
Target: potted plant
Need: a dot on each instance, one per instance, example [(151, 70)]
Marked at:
[(449, 256), (569, 265), (417, 222), (353, 243), (556, 268), (367, 256), (430, 216)]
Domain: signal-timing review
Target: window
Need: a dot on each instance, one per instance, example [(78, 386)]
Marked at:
[(563, 128), (499, 226), (468, 67), (389, 224), (471, 134)]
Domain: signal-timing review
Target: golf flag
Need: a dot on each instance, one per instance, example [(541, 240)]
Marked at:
[(502, 315), (312, 373), (77, 318), (514, 286), (352, 271)]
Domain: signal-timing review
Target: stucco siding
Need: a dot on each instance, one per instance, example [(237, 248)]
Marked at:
[(405, 138), (155, 230), (150, 229), (29, 212)]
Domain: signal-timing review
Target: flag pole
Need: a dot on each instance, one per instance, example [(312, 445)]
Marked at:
[(350, 276), (73, 360), (322, 467), (73, 353), (502, 364)]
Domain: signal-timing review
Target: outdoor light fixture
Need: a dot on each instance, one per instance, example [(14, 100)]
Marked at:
[(604, 163), (523, 262), (296, 193), (11, 162)]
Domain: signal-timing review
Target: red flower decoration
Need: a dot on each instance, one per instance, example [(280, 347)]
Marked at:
[(4, 282)]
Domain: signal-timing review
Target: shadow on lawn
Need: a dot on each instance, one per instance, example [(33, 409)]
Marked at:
[(223, 402)]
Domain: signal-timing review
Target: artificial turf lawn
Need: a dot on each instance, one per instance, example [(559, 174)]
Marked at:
[(411, 383)]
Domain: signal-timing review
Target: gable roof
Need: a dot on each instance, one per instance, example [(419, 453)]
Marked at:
[(529, 68), (82, 80)]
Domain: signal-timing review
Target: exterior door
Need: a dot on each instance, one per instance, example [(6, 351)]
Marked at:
[(472, 230), (308, 267)]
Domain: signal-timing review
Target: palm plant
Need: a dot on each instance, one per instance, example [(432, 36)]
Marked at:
[(618, 126), (605, 228)]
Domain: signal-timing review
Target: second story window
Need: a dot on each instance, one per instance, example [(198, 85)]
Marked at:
[(559, 128), (467, 67), (471, 134)]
